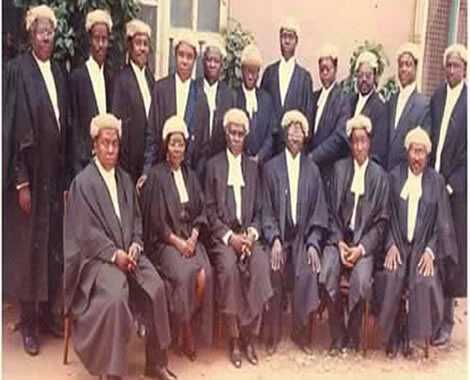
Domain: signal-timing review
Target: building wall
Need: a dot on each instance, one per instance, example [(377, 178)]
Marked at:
[(345, 23)]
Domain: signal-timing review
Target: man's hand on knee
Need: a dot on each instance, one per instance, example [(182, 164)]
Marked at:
[(392, 259)]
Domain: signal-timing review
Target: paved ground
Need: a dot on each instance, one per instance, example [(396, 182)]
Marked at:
[(289, 363)]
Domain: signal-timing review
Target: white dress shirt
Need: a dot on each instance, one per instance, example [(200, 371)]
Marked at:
[(452, 96), (412, 191), (286, 69), (361, 102), (403, 97), (251, 101), (293, 172), (96, 74), (358, 187), (180, 185), (46, 72), (110, 181), (182, 93), (321, 104), (143, 86), (211, 95)]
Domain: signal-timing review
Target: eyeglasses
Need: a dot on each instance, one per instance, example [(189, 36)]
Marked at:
[(44, 32)]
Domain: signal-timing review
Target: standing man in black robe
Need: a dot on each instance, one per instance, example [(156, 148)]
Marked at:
[(295, 221), (258, 106), (175, 94), (215, 99), (105, 268), (449, 136), (359, 212), (41, 173), (132, 98), (370, 103), (289, 84), (420, 239), (234, 203), (406, 109), (90, 87), (329, 142)]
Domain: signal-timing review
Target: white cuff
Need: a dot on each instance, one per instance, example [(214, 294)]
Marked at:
[(363, 250), (449, 189), (429, 250), (254, 232), (227, 236), (113, 259), (21, 185)]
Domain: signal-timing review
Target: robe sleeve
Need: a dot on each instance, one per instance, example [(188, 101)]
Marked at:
[(153, 132), (392, 228), (334, 197), (9, 86), (256, 222), (266, 148), (271, 229), (200, 222), (137, 233), (379, 141), (307, 102), (158, 212), (77, 135), (120, 108)]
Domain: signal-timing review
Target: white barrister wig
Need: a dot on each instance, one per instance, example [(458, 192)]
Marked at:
[(136, 26), (291, 24), (98, 16), (237, 116), (418, 136), (457, 49), (175, 124), (189, 39), (367, 57), (105, 121), (215, 43), (40, 11), (358, 122), (411, 49), (328, 51), (251, 56), (295, 116)]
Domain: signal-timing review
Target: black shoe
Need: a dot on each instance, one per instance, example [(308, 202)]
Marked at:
[(162, 373), (441, 339), (352, 345), (189, 353), (30, 341), (392, 348), (250, 353), (235, 353), (336, 348), (302, 342)]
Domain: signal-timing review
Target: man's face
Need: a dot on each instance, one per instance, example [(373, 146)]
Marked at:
[(42, 38), (176, 149), (360, 145), (140, 48), (185, 58), (106, 147), (327, 70), (235, 136), (295, 138), (288, 40), (417, 158), (455, 70), (99, 41), (212, 65), (406, 69), (250, 76), (365, 78)]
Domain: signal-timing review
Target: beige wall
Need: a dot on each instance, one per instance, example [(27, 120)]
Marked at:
[(345, 23)]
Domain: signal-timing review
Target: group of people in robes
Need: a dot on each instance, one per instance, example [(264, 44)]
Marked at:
[(183, 200)]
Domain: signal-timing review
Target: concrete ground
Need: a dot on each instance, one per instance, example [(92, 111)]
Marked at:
[(289, 363)]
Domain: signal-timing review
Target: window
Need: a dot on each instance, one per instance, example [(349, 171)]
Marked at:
[(149, 14)]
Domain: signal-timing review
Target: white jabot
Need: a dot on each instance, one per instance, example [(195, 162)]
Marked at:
[(235, 179), (46, 72), (358, 187), (293, 172), (251, 101), (211, 95), (321, 104), (182, 93), (143, 86), (286, 69), (403, 96), (452, 95), (96, 74), (361, 102), (180, 185), (110, 181), (412, 191)]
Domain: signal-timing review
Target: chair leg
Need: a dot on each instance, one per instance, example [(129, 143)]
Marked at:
[(66, 339), (365, 325), (426, 348)]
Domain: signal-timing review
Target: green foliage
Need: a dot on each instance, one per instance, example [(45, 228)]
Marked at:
[(71, 41), (349, 84), (235, 41)]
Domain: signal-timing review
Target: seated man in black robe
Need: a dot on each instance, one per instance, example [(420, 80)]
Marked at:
[(105, 267), (233, 197), (295, 220), (420, 239), (359, 213)]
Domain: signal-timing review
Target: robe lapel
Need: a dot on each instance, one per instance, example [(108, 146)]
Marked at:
[(188, 113), (277, 92), (246, 193), (60, 96), (134, 88), (284, 194), (442, 103), (124, 209), (302, 192), (406, 110), (293, 84), (391, 121), (92, 92)]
